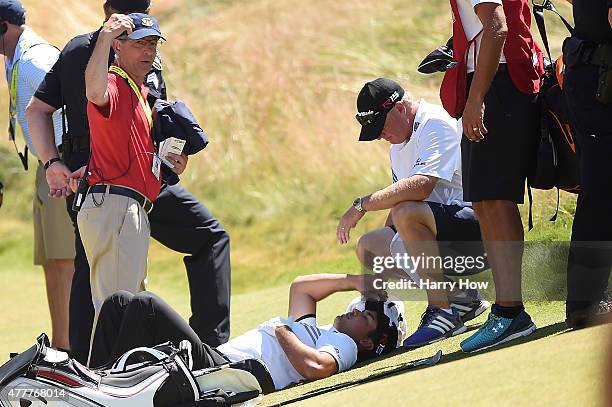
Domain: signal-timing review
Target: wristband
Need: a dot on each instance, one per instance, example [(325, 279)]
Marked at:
[(51, 161)]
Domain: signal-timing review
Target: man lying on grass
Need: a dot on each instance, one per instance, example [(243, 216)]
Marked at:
[(292, 349)]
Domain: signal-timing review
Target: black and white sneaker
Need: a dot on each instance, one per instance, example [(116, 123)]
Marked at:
[(469, 305)]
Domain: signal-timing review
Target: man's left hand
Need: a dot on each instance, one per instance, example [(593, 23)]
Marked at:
[(179, 161), (348, 221)]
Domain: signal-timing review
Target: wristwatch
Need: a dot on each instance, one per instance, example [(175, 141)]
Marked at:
[(51, 161), (357, 204)]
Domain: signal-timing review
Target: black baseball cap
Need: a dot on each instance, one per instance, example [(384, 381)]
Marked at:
[(375, 100), (12, 12), (144, 26), (129, 6)]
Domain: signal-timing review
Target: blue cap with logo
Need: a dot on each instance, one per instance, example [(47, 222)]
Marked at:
[(12, 12), (144, 26)]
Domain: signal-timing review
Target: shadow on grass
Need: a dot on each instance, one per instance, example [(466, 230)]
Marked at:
[(382, 373), (549, 330)]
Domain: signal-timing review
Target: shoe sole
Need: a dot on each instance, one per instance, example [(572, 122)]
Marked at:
[(456, 332), (525, 332)]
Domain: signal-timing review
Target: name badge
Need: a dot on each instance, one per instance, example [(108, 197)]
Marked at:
[(156, 166)]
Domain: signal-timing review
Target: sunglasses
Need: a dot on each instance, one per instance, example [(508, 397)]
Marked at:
[(365, 118)]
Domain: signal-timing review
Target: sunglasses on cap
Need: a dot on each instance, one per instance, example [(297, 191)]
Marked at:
[(365, 118)]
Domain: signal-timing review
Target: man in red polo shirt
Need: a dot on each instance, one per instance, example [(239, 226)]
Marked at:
[(124, 167)]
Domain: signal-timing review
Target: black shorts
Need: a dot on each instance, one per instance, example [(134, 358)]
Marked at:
[(496, 168), (458, 233)]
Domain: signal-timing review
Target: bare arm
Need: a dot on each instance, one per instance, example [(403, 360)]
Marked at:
[(493, 38), (308, 362), (414, 188), (96, 74), (39, 115), (306, 291)]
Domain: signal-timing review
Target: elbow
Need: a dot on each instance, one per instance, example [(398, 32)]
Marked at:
[(94, 97), (426, 188), (313, 372), (37, 109), (500, 27)]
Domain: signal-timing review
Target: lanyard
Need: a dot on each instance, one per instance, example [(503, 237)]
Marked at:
[(13, 115), (130, 81)]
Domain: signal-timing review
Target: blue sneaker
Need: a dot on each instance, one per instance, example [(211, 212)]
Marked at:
[(435, 325), (498, 330)]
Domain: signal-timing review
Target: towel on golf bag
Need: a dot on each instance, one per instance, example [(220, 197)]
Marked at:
[(157, 376)]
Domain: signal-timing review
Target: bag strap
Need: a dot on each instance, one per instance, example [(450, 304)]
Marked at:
[(538, 14)]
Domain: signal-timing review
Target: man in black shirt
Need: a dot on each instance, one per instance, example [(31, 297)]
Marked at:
[(177, 220), (588, 66)]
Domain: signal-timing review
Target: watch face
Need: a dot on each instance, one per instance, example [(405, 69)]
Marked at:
[(356, 202)]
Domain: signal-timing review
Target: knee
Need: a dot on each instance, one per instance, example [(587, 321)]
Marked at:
[(484, 209), (364, 246), (116, 300), (407, 213)]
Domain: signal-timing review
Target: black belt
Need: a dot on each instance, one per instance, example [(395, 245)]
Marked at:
[(145, 202)]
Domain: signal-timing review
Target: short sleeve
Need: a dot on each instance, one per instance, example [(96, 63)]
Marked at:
[(477, 2), (341, 347), (309, 319), (35, 68), (50, 90), (113, 97), (438, 150)]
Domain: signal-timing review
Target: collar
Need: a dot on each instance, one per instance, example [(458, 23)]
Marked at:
[(419, 116)]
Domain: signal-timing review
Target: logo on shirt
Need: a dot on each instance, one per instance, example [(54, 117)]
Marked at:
[(419, 163)]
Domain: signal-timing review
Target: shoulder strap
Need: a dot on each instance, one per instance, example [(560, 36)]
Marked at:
[(538, 14)]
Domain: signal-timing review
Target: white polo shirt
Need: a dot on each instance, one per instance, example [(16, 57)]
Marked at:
[(258, 344), (472, 26), (433, 149), (34, 64)]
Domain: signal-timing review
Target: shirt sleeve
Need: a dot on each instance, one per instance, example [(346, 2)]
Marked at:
[(113, 97), (341, 347), (437, 150), (477, 2), (50, 90), (35, 68)]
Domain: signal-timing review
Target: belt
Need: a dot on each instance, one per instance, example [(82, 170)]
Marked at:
[(598, 55), (144, 202)]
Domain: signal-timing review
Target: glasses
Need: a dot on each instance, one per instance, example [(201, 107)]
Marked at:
[(365, 118), (142, 43)]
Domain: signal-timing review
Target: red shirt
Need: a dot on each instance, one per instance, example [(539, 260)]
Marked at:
[(121, 145), (523, 56)]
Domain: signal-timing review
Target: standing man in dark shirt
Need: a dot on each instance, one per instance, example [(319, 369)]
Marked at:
[(588, 90), (178, 221)]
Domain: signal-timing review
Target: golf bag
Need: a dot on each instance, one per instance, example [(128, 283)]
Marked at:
[(158, 376), (554, 162)]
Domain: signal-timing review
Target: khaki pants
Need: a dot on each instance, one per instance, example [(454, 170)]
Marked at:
[(53, 231), (115, 232)]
